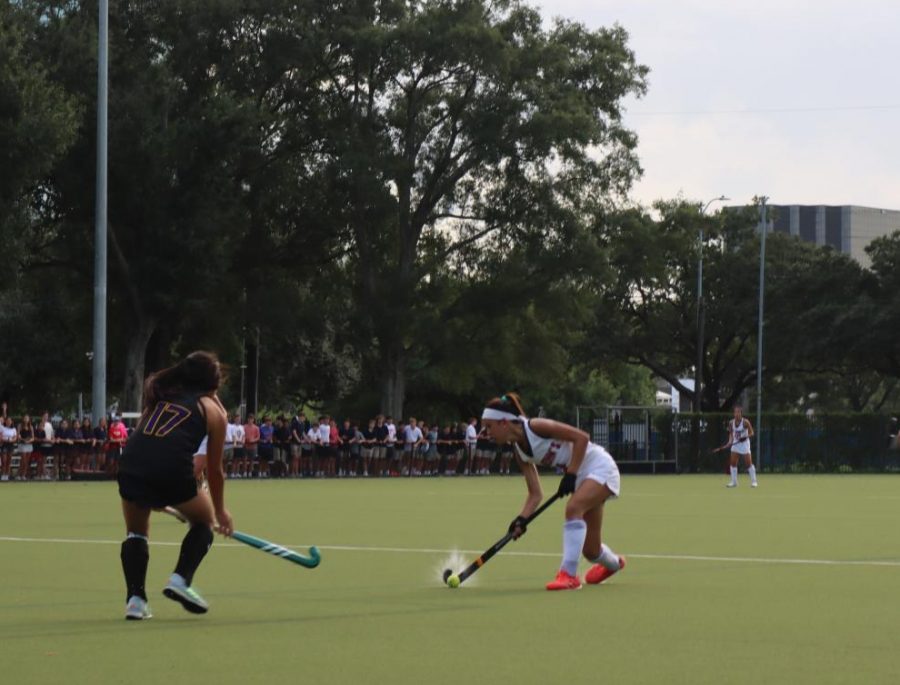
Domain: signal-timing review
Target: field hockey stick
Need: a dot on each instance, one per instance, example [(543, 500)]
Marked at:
[(496, 547), (307, 561), (172, 511)]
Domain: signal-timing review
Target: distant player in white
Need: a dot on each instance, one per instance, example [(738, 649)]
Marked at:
[(471, 444), (200, 454), (739, 433), (591, 477), (239, 438)]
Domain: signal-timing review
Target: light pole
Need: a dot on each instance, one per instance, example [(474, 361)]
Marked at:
[(256, 376), (243, 408), (764, 228), (98, 361), (698, 371)]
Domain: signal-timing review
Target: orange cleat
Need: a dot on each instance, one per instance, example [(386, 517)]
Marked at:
[(598, 572), (564, 581)]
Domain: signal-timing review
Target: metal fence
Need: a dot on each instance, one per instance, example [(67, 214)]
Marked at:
[(790, 443), (631, 436), (653, 440)]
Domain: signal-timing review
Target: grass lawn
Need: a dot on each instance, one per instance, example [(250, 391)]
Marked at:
[(796, 582)]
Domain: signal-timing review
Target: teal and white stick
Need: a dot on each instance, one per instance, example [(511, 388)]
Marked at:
[(308, 561)]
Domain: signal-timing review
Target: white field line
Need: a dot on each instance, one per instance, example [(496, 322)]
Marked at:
[(427, 550)]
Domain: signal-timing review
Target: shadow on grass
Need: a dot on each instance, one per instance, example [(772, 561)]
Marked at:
[(100, 626)]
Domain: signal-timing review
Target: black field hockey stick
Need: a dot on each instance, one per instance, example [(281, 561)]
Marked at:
[(310, 560), (496, 547)]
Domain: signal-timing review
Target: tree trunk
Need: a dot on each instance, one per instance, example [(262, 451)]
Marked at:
[(710, 400), (393, 385), (135, 358)]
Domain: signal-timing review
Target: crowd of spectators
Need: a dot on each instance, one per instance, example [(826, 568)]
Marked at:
[(276, 447), (297, 447), (41, 450)]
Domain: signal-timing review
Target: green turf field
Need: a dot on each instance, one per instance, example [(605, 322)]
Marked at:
[(796, 582)]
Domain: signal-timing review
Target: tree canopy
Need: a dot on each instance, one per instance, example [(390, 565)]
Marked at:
[(396, 206)]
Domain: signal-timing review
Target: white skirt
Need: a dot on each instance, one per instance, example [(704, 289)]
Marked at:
[(742, 447), (601, 468)]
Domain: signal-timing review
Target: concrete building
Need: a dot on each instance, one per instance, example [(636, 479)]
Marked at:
[(848, 228), (668, 396)]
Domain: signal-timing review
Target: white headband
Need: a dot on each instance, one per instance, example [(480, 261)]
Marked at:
[(498, 415)]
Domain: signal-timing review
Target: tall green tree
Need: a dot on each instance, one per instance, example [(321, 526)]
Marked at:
[(37, 119), (202, 176), (37, 125), (881, 312), (649, 314), (448, 121)]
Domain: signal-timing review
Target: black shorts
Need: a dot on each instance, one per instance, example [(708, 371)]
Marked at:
[(156, 492)]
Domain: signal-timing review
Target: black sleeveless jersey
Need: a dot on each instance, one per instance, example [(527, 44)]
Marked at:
[(165, 440)]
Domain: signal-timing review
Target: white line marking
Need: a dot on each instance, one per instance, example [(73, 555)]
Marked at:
[(79, 541), (429, 550), (762, 560), (664, 557)]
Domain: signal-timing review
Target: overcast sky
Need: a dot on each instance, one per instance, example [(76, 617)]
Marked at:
[(832, 64)]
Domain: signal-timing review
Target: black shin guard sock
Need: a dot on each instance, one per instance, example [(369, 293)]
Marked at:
[(135, 557), (193, 548)]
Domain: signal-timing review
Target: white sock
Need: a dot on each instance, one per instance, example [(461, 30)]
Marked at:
[(734, 474), (752, 472), (573, 540), (607, 558)]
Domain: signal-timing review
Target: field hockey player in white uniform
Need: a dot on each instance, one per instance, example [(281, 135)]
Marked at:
[(591, 477), (739, 433), (200, 454)]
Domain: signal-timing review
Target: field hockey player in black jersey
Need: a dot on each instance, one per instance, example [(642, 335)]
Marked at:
[(156, 470)]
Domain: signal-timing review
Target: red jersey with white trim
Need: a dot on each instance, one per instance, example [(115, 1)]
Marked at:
[(553, 452)]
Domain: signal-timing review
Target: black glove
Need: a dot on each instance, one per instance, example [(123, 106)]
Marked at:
[(518, 527), (567, 484)]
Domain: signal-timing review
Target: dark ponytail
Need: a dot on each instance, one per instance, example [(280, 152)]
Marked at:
[(510, 402), (200, 372)]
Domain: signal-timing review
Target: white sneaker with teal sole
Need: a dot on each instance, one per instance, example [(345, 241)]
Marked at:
[(137, 609), (179, 591)]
